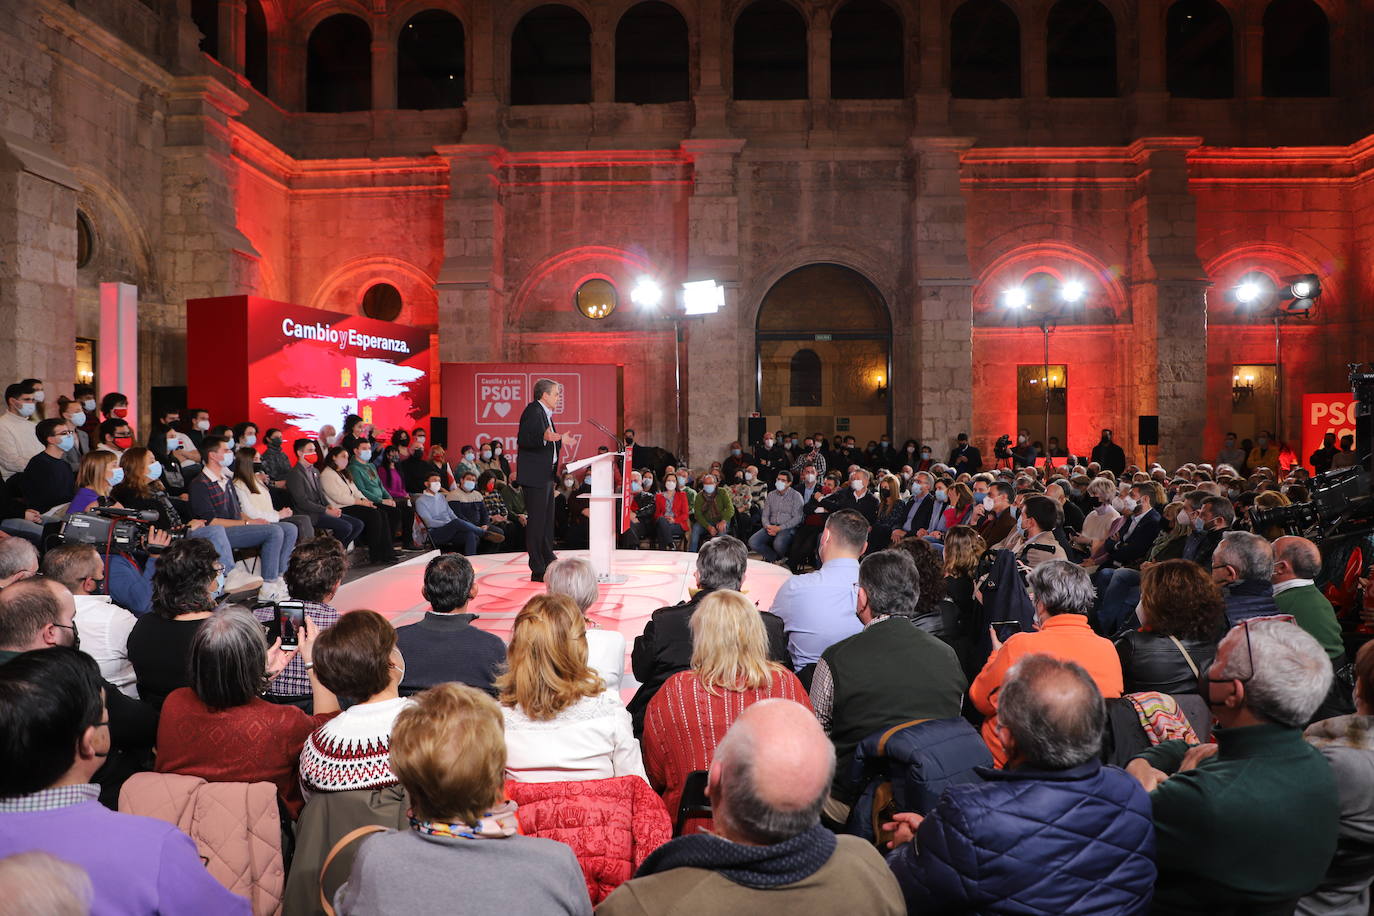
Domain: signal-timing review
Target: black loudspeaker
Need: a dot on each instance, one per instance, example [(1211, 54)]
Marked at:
[(163, 398), (438, 431), (757, 427), (1149, 431)]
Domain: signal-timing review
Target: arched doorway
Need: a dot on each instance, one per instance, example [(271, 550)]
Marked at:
[(831, 325)]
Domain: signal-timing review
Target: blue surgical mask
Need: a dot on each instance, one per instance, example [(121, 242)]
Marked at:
[(154, 471), (781, 484), (116, 476), (77, 419), (26, 410), (227, 459), (708, 489), (364, 454), (941, 496), (735, 452), (220, 579), (88, 404), (66, 442), (232, 445), (635, 486), (469, 486), (1197, 523), (250, 441), (468, 456)]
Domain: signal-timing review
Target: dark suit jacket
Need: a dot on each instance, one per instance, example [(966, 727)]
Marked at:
[(924, 512), (844, 499), (307, 495), (973, 460), (665, 648), (536, 465), (1131, 550)]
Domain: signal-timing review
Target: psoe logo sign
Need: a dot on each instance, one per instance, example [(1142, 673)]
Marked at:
[(568, 411), (500, 397)]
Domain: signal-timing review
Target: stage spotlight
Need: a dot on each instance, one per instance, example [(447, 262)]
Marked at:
[(1301, 295), (702, 297), (646, 294), (1015, 298), (1072, 291), (1248, 291)]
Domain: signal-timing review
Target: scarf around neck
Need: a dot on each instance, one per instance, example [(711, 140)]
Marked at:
[(751, 866), (496, 824)]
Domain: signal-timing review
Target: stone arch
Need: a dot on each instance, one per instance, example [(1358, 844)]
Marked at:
[(1272, 259), (749, 48), (873, 269), (425, 62), (665, 73), (1296, 49), (1105, 300), (342, 290), (848, 77), (549, 286), (532, 85), (984, 50), (124, 250), (402, 13), (339, 64)]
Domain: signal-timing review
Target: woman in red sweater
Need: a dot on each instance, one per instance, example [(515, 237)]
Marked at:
[(730, 671), (220, 728), (672, 514)]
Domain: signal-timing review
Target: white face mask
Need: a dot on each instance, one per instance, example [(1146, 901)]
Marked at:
[(987, 503), (1129, 504), (809, 478), (88, 404), (569, 482), (748, 477), (202, 425), (767, 443), (39, 396), (435, 486), (856, 485), (670, 484), (780, 484)]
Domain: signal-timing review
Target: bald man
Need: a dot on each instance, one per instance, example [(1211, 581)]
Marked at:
[(1297, 561), (768, 779)]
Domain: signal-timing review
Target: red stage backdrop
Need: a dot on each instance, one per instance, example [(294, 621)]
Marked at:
[(298, 368), (483, 402), (1322, 414)]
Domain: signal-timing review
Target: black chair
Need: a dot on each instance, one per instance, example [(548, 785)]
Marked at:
[(694, 802)]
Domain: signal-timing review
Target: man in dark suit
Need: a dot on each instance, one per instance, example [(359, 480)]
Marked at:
[(536, 468), (965, 459)]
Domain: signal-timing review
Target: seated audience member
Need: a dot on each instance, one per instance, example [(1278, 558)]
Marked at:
[(99, 472), (768, 853), (995, 517), (393, 482), (933, 613), (220, 729), (641, 526), (818, 609), (1297, 561), (890, 672), (1347, 743), (1249, 824), (343, 494), (1038, 519), (469, 505), (214, 502), (115, 436), (665, 646), (1100, 516), (448, 752), (48, 478), (416, 467), (574, 577), (54, 736), (444, 645), (1131, 542), (964, 548), (1182, 615), (72, 412), (104, 625), (17, 442), (363, 472), (1054, 832), (188, 579), (562, 723), (712, 511), (312, 577), (306, 489), (782, 513), (857, 496), (18, 560), (1243, 565), (275, 464), (255, 497), (1063, 596), (672, 514), (730, 671), (445, 527), (501, 517), (1210, 524), (356, 660)]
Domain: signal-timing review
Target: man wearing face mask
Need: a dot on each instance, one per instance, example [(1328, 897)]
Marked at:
[(772, 458), (214, 501), (446, 529), (1109, 455), (115, 436), (642, 524), (1265, 454), (712, 511), (886, 456), (1243, 565), (1209, 523), (964, 458), (921, 508), (818, 609), (994, 517), (1023, 453), (737, 460), (81, 570), (782, 513), (17, 442), (810, 457), (1231, 453), (857, 496), (48, 479)]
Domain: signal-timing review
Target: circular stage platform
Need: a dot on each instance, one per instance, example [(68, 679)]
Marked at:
[(655, 579)]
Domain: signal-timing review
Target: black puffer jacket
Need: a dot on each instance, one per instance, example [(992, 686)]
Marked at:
[(1150, 661)]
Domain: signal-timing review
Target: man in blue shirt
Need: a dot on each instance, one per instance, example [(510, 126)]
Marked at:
[(819, 608)]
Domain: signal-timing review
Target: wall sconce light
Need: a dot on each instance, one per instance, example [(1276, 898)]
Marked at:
[(1242, 388), (881, 390)]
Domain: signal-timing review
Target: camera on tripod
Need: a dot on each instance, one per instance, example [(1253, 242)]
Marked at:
[(1002, 447), (108, 529), (1336, 496)]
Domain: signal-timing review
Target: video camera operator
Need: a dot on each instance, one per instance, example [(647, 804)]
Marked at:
[(1001, 449)]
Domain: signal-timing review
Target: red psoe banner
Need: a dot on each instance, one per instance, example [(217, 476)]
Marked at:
[(299, 369), (1322, 414), (483, 401), (627, 496)]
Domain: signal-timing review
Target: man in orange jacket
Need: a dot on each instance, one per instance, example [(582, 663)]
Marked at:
[(1063, 594)]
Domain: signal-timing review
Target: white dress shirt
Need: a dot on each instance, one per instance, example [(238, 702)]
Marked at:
[(606, 656), (104, 627)]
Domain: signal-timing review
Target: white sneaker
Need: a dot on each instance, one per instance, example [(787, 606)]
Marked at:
[(273, 590), (240, 581)]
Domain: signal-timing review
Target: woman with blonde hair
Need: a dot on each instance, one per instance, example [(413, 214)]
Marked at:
[(562, 724), (97, 474), (730, 671), (964, 548)]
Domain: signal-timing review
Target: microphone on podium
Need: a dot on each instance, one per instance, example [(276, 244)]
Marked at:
[(619, 446)]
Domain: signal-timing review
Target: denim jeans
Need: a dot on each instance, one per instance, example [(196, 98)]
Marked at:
[(216, 536), (275, 541), (1120, 593), (772, 546), (699, 534), (459, 531)]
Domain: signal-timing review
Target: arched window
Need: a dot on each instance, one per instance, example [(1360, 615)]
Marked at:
[(382, 301), (1297, 50), (984, 51), (551, 58), (1080, 50), (205, 14), (255, 47), (1200, 50), (770, 52), (651, 62), (429, 62), (866, 59), (804, 379), (338, 66)]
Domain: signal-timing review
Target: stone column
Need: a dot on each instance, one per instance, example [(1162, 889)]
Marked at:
[(603, 60), (233, 29), (1250, 56), (482, 106), (471, 313), (927, 78), (932, 354), (1168, 302), (383, 66), (711, 101), (37, 263), (711, 378), (1151, 91), (818, 61)]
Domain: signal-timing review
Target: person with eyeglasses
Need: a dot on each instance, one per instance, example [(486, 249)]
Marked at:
[(105, 626), (48, 479), (1247, 824), (1243, 565), (55, 735)]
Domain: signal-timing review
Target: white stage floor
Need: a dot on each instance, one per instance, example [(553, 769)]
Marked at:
[(655, 579)]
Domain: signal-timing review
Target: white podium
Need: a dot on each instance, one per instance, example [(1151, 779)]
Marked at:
[(603, 499)]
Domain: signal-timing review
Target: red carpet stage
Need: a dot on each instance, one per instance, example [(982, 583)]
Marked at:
[(656, 578)]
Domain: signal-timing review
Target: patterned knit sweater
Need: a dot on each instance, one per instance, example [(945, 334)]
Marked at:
[(353, 750)]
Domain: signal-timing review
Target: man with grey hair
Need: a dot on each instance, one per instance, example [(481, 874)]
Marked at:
[(1248, 824), (890, 672), (104, 625), (536, 469), (769, 852), (1000, 845), (1243, 565), (18, 560), (1063, 595), (665, 646)]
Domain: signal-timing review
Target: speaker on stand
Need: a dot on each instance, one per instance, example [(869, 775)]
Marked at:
[(1147, 434)]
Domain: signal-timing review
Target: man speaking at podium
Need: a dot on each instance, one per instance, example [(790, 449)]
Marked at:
[(536, 469)]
